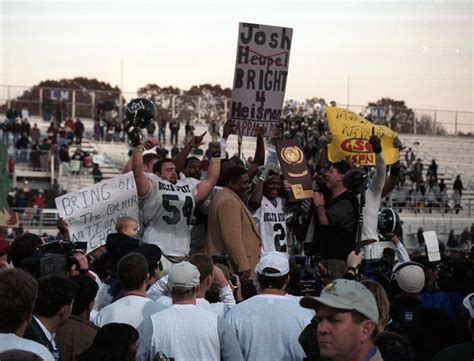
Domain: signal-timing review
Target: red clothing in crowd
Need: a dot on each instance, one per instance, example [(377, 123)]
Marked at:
[(39, 200)]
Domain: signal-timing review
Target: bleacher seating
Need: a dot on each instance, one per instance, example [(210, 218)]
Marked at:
[(452, 154)]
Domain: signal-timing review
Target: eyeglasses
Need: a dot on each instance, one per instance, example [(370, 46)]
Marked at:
[(160, 265)]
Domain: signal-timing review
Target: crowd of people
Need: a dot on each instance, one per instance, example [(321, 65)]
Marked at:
[(221, 265), (39, 150), (425, 191)]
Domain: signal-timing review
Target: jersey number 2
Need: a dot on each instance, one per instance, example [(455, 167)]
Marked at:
[(175, 218), (277, 227)]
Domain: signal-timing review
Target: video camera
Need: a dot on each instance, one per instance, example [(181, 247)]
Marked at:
[(355, 180), (53, 258), (311, 280)]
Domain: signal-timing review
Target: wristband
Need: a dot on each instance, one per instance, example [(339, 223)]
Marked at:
[(138, 149), (320, 205), (395, 171), (215, 159), (83, 271), (353, 269)]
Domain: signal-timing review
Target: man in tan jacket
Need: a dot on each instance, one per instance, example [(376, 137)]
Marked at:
[(231, 228)]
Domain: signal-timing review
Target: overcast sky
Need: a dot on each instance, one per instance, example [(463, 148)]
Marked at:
[(417, 51)]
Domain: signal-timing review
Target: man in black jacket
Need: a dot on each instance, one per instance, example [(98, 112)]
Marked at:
[(336, 220), (52, 309)]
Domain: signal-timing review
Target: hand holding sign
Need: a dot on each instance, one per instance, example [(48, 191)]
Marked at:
[(375, 142), (62, 227), (261, 132)]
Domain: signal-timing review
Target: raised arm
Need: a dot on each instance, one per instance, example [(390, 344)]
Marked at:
[(180, 159), (377, 182), (259, 157), (255, 199), (147, 144), (143, 185), (207, 184), (392, 180)]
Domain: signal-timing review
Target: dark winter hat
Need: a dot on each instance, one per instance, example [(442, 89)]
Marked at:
[(342, 166)]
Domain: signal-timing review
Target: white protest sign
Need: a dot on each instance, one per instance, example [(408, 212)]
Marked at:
[(98, 159), (261, 71), (92, 212), (432, 246), (75, 165)]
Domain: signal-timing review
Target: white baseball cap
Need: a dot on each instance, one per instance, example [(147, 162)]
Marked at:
[(276, 261), (183, 274), (410, 277)]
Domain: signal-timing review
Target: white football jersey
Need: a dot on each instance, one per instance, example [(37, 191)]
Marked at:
[(271, 223), (166, 215)]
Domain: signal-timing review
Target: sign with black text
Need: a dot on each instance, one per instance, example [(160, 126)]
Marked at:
[(92, 212), (261, 72)]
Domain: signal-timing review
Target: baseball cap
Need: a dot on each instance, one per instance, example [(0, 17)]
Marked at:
[(345, 295), (276, 261), (183, 274), (342, 166), (410, 277), (468, 302), (151, 252)]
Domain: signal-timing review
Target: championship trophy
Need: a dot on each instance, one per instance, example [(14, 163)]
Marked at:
[(295, 169)]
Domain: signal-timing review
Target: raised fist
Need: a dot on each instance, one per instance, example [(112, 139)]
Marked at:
[(375, 142)]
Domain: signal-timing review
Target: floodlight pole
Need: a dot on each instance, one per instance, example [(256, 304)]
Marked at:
[(121, 90)]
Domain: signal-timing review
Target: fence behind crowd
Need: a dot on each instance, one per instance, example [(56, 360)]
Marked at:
[(47, 102)]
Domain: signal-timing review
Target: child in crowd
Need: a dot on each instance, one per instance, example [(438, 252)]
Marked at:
[(124, 241), (127, 226), (117, 245)]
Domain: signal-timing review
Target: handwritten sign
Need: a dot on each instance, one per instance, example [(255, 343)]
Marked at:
[(350, 138), (432, 246), (261, 71), (92, 212)]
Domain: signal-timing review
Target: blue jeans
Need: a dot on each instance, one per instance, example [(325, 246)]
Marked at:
[(162, 135), (117, 136), (6, 138)]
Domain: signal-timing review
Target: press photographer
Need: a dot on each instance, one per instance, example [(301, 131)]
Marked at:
[(29, 252), (336, 221)]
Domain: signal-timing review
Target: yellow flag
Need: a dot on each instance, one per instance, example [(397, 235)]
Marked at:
[(350, 138)]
